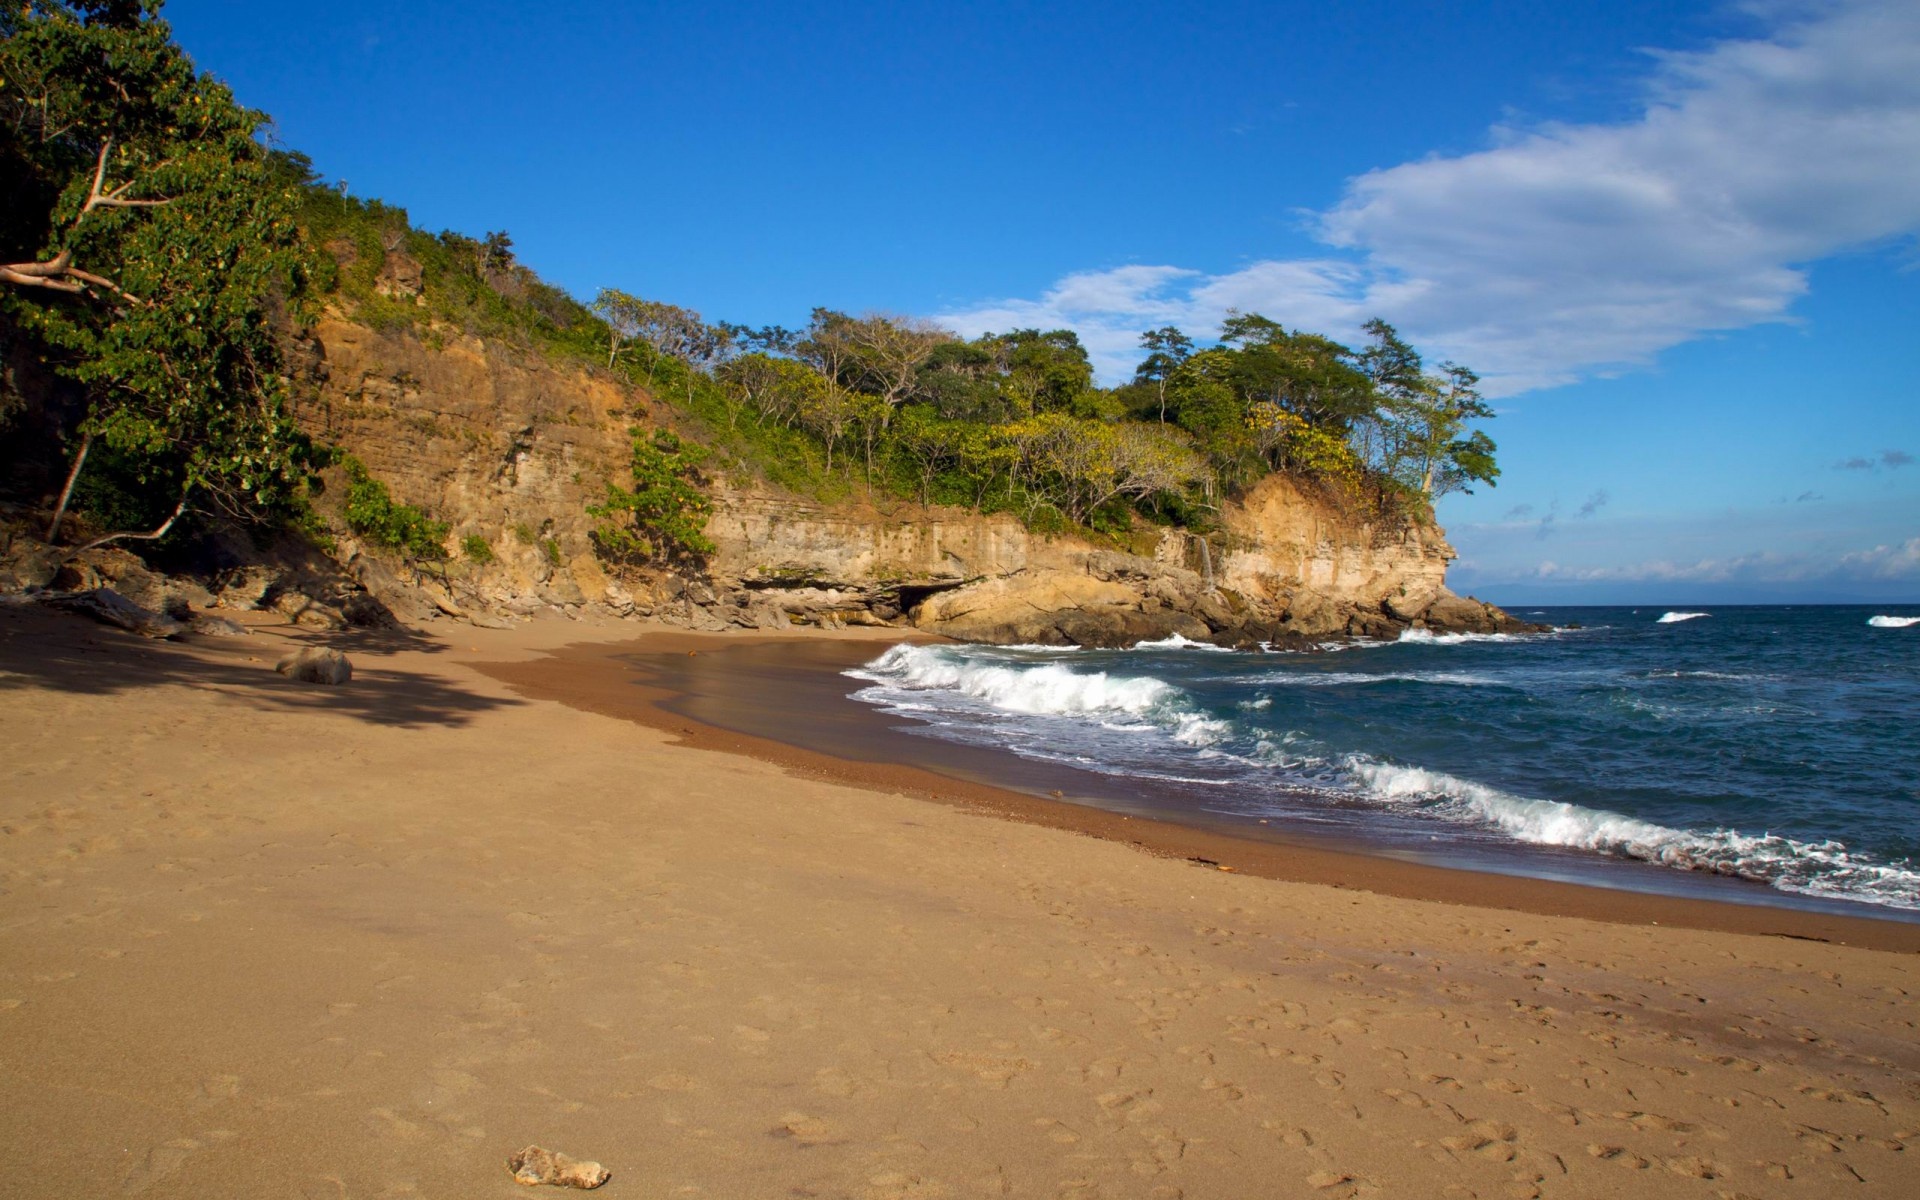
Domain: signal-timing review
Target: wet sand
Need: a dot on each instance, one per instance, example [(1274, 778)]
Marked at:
[(270, 939)]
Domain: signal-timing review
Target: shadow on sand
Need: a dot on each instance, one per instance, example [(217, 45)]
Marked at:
[(44, 650)]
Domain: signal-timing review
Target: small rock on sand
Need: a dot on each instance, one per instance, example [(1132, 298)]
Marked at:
[(314, 665), (537, 1164), (212, 626)]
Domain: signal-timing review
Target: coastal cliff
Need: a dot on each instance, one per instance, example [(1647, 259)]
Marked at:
[(511, 448)]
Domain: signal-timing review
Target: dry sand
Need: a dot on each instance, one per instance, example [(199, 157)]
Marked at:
[(267, 939)]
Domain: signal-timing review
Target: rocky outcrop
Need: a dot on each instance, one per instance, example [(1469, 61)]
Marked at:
[(512, 449), (111, 608), (1286, 569)]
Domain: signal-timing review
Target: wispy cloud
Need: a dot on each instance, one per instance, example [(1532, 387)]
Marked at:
[(1565, 251), (1892, 460), (1595, 503)]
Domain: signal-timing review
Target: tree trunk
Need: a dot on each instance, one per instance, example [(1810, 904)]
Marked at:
[(66, 493), (143, 537)]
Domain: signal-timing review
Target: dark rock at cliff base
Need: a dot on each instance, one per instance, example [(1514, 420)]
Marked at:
[(111, 608), (212, 626), (246, 587), (28, 566), (1464, 614)]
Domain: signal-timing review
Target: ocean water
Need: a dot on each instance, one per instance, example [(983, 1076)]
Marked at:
[(1775, 747)]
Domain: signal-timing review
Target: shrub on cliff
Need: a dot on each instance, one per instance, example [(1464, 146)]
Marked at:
[(374, 514), (665, 514)]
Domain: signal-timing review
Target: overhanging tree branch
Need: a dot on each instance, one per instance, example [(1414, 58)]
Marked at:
[(58, 273), (144, 537)]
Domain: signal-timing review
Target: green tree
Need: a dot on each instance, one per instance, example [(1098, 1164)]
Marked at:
[(623, 314), (1048, 372), (1166, 349), (153, 246), (880, 356), (665, 514), (1448, 456), (1078, 464)]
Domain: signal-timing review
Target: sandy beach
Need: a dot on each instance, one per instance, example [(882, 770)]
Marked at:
[(263, 938)]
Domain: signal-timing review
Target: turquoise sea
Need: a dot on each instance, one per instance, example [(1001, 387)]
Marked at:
[(1776, 747)]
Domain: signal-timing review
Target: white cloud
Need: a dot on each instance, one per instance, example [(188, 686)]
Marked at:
[(1565, 251), (1885, 563)]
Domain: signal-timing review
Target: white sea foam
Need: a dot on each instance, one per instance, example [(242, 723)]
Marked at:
[(1428, 637), (1723, 675), (1674, 618), (1118, 702), (1810, 868), (1886, 622), (1174, 641), (1042, 688), (1361, 678)]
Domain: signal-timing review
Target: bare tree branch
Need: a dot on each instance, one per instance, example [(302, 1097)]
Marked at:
[(58, 273), (20, 278), (98, 198), (144, 537)]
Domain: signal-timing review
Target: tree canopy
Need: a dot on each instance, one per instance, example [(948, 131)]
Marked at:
[(150, 256)]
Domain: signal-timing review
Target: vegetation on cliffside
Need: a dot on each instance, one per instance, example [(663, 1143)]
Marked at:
[(161, 253)]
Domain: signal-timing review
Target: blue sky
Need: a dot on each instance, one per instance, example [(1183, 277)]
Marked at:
[(1677, 240)]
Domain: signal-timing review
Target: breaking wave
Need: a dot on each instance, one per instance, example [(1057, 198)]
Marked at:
[(1174, 641), (1300, 741), (1428, 637), (1042, 689), (1674, 618), (1886, 622), (1824, 868)]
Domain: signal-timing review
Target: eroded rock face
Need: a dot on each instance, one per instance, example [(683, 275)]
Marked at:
[(508, 447), (512, 449), (401, 277)]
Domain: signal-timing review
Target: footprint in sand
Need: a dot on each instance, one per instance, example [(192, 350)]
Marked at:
[(832, 1081), (158, 1163), (1692, 1166), (391, 1124), (1620, 1155), (1056, 1131), (806, 1131)]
